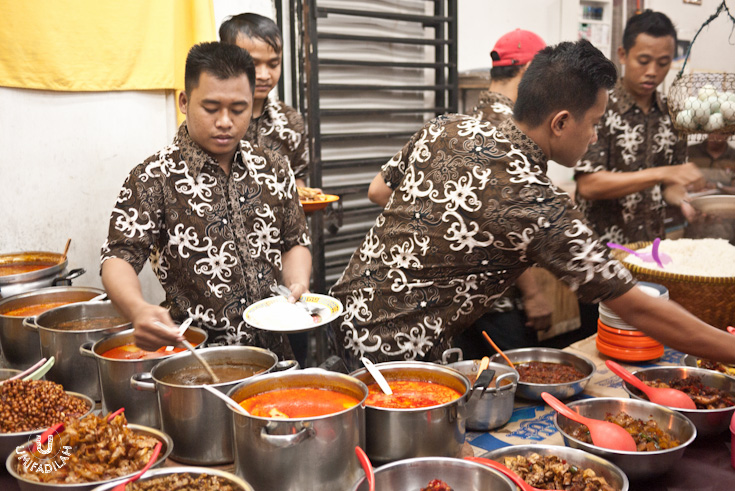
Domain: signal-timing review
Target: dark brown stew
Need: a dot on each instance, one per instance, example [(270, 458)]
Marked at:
[(195, 375), (539, 372), (90, 324)]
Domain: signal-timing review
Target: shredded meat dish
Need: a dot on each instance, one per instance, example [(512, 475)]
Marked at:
[(716, 365), (647, 434), (539, 372), (437, 485), (310, 194), (100, 450), (551, 472), (704, 397), (183, 482)]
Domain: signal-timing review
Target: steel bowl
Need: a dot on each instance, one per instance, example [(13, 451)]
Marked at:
[(636, 465), (27, 485), (692, 361), (614, 476), (10, 441), (708, 421), (549, 355), (416, 473), (233, 480), (435, 431), (719, 205)]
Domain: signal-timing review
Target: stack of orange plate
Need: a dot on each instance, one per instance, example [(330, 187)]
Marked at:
[(621, 341)]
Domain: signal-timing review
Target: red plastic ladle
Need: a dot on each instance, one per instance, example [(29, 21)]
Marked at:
[(523, 485), (366, 466), (660, 395), (133, 478), (604, 434)]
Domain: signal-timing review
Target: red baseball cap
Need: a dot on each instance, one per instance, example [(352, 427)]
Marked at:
[(516, 48)]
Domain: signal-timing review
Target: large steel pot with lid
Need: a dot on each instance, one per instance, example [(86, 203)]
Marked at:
[(20, 344), (63, 330), (53, 272), (293, 454), (199, 422), (141, 407)]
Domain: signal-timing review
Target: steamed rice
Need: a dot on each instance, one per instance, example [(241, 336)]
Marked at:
[(282, 316), (697, 257)]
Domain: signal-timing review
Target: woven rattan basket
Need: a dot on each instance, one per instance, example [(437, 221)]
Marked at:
[(710, 299)]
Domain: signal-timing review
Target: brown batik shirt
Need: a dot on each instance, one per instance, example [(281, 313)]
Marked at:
[(629, 141), (281, 128), (493, 107), (216, 242), (473, 211)]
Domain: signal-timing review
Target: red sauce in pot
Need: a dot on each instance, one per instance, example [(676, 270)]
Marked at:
[(298, 403), (20, 268), (132, 352), (31, 310), (410, 394)]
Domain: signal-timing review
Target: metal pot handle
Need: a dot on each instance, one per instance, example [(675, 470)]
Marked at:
[(449, 352), (284, 441), (284, 365), (30, 323), (504, 376), (139, 382), (86, 349), (65, 280)]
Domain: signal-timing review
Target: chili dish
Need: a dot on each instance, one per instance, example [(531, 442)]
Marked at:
[(411, 394), (132, 352), (33, 310), (298, 403)]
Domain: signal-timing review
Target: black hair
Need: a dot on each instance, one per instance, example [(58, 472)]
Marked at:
[(252, 26), (567, 76), (504, 72), (648, 22), (223, 61)]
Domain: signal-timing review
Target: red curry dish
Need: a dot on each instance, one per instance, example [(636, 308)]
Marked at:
[(411, 394), (132, 352), (539, 372), (20, 268), (298, 403), (33, 310)]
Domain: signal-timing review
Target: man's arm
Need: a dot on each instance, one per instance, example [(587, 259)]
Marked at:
[(537, 307), (123, 287), (297, 271), (379, 192), (670, 324)]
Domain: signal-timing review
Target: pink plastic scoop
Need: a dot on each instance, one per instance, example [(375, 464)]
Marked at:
[(366, 466), (651, 257), (660, 395), (604, 434), (518, 480)]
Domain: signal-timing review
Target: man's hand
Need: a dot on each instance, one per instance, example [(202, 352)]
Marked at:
[(150, 336), (687, 175), (297, 289), (538, 311)]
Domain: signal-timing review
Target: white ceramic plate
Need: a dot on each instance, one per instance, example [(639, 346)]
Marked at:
[(329, 309)]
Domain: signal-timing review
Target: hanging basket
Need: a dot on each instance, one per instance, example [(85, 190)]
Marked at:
[(703, 103)]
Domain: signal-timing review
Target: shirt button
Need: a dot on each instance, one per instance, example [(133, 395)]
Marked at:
[(242, 199), (224, 221)]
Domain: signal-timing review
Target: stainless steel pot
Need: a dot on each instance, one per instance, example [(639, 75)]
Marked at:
[(437, 431), (297, 454), (197, 421), (494, 407), (21, 345), (53, 275), (70, 369), (114, 376)]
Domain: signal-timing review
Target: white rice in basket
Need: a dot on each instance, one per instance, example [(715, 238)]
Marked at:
[(697, 257)]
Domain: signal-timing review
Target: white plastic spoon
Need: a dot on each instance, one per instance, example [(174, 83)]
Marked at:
[(377, 376)]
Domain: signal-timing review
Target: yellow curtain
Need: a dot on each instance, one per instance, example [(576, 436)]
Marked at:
[(100, 45)]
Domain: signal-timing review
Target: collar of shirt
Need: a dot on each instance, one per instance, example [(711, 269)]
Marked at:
[(487, 97), (519, 139), (195, 156), (625, 100)]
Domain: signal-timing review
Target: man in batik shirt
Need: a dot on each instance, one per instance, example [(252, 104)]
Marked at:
[(475, 209), (219, 218), (275, 125), (638, 164)]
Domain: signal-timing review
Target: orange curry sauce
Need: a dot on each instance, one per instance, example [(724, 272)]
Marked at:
[(410, 394), (298, 403), (31, 310), (132, 352), (20, 268)]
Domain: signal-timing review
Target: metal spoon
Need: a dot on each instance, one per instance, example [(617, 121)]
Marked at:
[(377, 376), (604, 434), (660, 395), (286, 292), (193, 350)]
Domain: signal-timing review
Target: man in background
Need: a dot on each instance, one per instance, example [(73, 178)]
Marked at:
[(638, 164), (218, 217), (275, 125)]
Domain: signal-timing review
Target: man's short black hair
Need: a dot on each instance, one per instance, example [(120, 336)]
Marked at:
[(223, 61), (252, 26), (567, 76), (654, 24), (499, 73)]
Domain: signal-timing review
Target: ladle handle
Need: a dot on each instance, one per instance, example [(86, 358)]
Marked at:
[(731, 329), (613, 245), (624, 374), (505, 471), (367, 466), (562, 409)]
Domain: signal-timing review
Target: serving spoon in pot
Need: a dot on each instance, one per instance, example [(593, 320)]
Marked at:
[(604, 434), (377, 376), (660, 395), (518, 480), (197, 356), (135, 477)]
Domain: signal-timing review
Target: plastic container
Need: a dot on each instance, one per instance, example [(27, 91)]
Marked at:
[(623, 342)]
